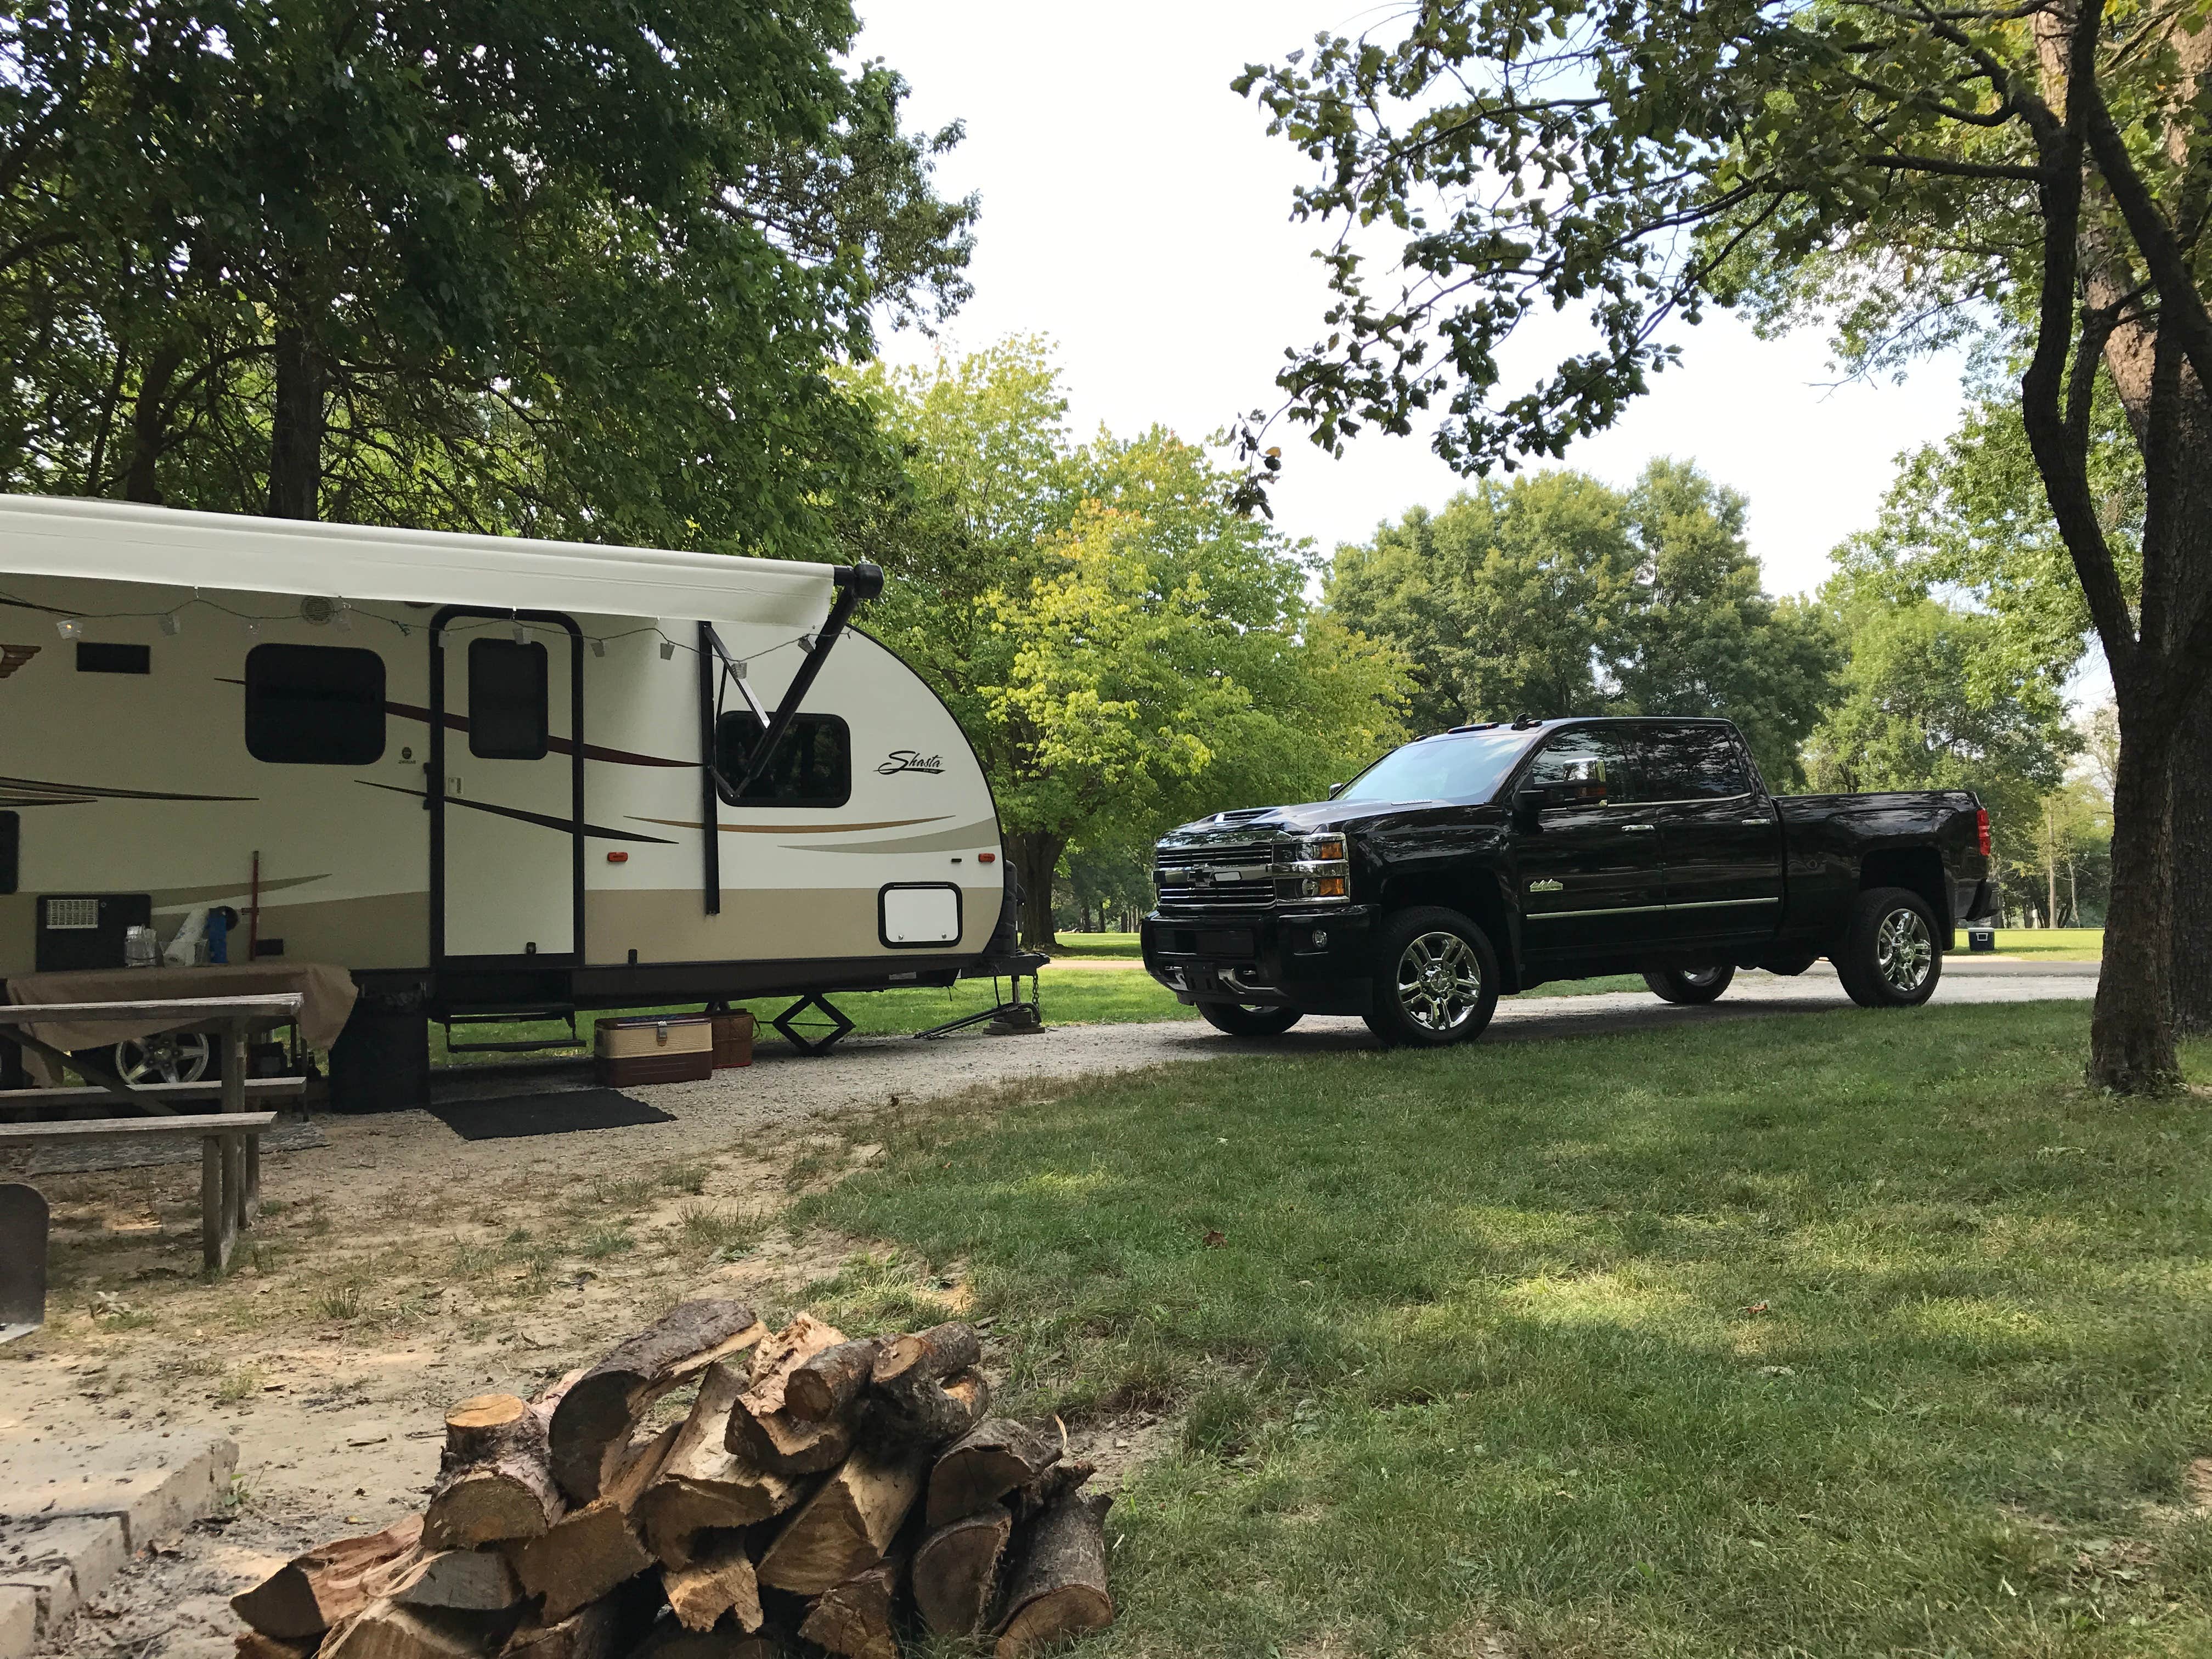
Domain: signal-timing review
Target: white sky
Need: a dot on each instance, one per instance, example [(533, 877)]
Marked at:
[(1135, 211)]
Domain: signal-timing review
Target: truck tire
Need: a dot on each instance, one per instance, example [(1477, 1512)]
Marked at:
[(1435, 979), (1889, 957), (1690, 985), (1246, 1019)]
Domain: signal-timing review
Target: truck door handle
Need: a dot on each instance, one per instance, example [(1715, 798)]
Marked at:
[(1762, 822), (1639, 828)]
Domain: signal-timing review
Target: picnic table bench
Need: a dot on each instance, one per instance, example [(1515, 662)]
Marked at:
[(230, 1139)]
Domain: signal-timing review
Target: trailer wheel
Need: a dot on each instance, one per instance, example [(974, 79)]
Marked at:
[(1690, 985), (1248, 1019), (1435, 979), (1888, 957)]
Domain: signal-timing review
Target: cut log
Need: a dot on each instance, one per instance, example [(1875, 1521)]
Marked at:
[(955, 1568), (591, 1425), (464, 1581), (704, 1485), (1041, 1494), (983, 1466), (1059, 1590), (721, 1580), (919, 1412), (331, 1583), (938, 1351), (494, 1482), (845, 1528), (780, 1355), (589, 1550), (607, 1628), (386, 1629), (253, 1644), (829, 1381), (854, 1617), (670, 1640), (778, 1442)]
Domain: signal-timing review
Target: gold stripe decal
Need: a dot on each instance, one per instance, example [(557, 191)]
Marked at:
[(790, 829)]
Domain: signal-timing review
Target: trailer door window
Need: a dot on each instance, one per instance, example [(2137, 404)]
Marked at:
[(812, 767), (508, 716), (314, 705)]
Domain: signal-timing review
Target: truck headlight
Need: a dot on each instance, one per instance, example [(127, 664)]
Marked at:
[(1315, 867)]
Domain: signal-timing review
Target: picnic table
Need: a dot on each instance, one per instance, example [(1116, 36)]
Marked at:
[(230, 1139)]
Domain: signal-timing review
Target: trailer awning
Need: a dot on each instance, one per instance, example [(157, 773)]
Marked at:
[(119, 541)]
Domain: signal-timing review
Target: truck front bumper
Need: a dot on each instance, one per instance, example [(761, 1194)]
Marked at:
[(1316, 960)]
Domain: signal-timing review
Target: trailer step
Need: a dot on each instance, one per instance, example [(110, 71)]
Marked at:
[(515, 1017)]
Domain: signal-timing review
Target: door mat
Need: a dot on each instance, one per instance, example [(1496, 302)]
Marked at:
[(557, 1112), (144, 1152)]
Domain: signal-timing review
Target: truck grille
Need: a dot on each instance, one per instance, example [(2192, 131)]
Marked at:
[(1215, 873)]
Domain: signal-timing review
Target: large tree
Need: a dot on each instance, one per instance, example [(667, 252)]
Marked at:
[(537, 263), (1557, 594), (1919, 167), (1123, 648)]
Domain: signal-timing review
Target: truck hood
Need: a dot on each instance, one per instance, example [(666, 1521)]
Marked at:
[(1311, 817)]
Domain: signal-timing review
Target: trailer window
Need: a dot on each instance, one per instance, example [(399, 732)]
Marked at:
[(508, 716), (314, 705), (812, 767)]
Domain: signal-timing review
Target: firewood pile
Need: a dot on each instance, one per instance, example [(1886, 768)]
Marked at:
[(821, 1495)]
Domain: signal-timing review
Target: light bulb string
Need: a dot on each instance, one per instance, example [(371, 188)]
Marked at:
[(346, 608)]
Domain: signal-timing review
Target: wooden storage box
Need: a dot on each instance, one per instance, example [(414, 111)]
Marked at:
[(733, 1039), (651, 1049)]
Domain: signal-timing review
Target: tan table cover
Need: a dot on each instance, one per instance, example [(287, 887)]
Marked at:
[(327, 998)]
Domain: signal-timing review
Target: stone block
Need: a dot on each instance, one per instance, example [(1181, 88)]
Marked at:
[(155, 1483), (53, 1586), (19, 1621), (92, 1546)]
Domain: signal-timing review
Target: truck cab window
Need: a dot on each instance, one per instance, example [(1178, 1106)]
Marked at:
[(1593, 760), (508, 717), (812, 766), (314, 705), (1693, 763)]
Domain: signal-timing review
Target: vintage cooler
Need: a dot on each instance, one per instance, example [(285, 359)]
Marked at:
[(654, 1049)]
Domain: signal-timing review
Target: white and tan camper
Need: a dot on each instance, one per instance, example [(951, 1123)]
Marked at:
[(485, 775)]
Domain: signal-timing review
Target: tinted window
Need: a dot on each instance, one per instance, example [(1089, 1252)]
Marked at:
[(314, 705), (1693, 762), (11, 850), (506, 700), (812, 767), (1466, 767), (96, 657), (1591, 757)]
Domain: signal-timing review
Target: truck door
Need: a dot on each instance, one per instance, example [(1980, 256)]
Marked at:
[(506, 786), (1720, 834), (1592, 883)]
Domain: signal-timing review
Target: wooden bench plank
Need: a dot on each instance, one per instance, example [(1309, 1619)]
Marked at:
[(280, 1088), (187, 1010), (201, 1123)]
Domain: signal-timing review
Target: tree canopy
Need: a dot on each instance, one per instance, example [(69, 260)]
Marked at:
[(536, 264), (1556, 594)]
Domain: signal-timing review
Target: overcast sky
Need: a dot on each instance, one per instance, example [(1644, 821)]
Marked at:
[(1135, 211)]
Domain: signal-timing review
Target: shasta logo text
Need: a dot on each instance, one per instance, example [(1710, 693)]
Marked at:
[(906, 760)]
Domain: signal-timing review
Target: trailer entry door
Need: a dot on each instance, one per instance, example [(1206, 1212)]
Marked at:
[(506, 788)]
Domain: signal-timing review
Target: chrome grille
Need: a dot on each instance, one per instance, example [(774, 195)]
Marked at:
[(1217, 873)]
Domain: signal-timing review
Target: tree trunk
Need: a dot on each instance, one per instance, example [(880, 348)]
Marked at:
[(295, 430), (2192, 862), (149, 424), (1037, 856), (2131, 1047)]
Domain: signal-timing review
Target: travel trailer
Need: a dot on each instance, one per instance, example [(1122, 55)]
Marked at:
[(489, 776)]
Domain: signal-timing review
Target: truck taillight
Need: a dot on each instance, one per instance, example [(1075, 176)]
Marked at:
[(1982, 830)]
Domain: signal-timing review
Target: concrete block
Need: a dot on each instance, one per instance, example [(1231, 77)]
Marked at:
[(19, 1621), (92, 1546), (155, 1483), (54, 1587)]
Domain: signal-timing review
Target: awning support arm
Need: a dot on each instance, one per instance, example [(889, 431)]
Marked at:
[(856, 584)]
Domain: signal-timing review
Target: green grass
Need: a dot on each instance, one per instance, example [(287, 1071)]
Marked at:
[(1098, 945), (2052, 943), (1829, 1334)]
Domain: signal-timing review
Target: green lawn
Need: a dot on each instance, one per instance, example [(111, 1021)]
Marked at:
[(1098, 945), (2051, 943), (1830, 1334)]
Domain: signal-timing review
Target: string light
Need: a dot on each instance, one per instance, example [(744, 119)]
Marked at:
[(172, 623), (70, 629), (599, 647), (667, 650)]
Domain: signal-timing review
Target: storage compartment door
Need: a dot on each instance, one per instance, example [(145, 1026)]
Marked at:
[(920, 916), (513, 809)]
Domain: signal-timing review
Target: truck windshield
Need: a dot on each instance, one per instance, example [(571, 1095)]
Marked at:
[(1466, 767)]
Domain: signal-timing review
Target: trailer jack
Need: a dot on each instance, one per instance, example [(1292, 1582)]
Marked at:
[(788, 1023)]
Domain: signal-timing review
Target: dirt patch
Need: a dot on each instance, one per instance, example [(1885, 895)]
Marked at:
[(2198, 1482)]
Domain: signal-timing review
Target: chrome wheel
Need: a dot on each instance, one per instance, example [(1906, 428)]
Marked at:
[(1699, 978), (173, 1057), (1439, 981), (1903, 951)]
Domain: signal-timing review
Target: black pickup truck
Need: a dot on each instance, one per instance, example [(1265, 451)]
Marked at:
[(1493, 858)]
